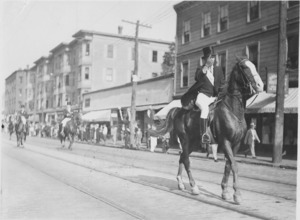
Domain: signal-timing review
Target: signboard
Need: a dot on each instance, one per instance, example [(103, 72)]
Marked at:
[(272, 83)]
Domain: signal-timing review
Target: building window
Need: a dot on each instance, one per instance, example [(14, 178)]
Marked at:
[(222, 61), (87, 49), (223, 18), (154, 56), (87, 102), (292, 3), (67, 80), (109, 74), (110, 51), (154, 74), (54, 100), (20, 92), (21, 79), (87, 73), (186, 32), (253, 10), (293, 51), (206, 24), (252, 53), (184, 74), (47, 103)]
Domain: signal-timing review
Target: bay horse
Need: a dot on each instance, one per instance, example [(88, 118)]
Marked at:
[(227, 125), (10, 128), (21, 131), (70, 130)]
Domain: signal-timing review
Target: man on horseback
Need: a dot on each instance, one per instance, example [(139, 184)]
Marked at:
[(209, 79), (68, 114), (23, 116)]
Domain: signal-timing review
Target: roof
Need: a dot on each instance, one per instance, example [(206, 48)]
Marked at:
[(266, 102), (61, 45), (89, 32), (40, 59)]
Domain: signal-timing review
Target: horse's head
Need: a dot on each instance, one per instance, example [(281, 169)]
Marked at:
[(77, 118), (247, 77)]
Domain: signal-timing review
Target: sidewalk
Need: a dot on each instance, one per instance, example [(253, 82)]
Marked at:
[(260, 160)]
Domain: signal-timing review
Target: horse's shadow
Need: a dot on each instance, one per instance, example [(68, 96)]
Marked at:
[(172, 185)]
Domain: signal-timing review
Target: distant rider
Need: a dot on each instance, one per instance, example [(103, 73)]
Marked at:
[(68, 114), (23, 116)]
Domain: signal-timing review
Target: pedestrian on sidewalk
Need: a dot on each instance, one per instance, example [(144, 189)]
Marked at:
[(249, 141), (139, 136), (114, 131)]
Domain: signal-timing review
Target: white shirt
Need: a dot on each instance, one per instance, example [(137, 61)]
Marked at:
[(209, 71)]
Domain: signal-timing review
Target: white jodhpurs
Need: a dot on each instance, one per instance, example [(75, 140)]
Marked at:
[(64, 122), (23, 120), (203, 102)]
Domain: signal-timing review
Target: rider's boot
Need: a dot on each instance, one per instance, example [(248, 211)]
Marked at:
[(205, 138)]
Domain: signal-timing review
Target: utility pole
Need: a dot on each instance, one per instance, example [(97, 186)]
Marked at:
[(281, 66), (134, 80)]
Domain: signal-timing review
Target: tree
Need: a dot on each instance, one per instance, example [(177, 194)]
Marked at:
[(168, 65)]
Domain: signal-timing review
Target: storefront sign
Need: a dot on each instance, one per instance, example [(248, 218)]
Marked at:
[(272, 83)]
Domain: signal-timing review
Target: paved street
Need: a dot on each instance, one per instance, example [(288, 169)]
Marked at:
[(111, 183)]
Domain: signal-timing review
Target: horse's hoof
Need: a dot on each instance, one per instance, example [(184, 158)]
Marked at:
[(237, 199), (195, 190), (226, 196), (181, 186)]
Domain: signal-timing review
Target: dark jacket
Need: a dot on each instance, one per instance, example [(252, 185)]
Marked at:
[(23, 114), (67, 114), (203, 85)]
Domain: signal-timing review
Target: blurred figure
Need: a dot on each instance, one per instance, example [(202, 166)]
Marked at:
[(139, 136), (104, 131), (114, 131), (250, 138)]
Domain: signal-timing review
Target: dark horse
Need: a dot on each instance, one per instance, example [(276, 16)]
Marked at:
[(227, 125), (10, 128), (70, 130), (21, 131)]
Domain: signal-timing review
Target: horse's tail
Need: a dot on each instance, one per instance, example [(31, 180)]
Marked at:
[(166, 125)]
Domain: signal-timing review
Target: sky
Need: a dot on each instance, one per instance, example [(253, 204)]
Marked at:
[(30, 29)]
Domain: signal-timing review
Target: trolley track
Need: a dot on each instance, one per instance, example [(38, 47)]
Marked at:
[(224, 205)]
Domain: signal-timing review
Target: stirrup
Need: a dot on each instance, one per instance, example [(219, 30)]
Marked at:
[(205, 138)]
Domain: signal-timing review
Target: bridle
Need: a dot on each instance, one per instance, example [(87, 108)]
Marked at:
[(246, 82)]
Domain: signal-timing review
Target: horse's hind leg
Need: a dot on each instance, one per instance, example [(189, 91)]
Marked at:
[(71, 139)]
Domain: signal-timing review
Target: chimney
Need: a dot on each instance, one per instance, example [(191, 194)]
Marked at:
[(120, 29)]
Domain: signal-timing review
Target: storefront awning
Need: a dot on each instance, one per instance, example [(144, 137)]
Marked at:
[(163, 113), (266, 102), (146, 107), (97, 116)]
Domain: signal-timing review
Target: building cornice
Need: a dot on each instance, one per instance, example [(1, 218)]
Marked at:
[(62, 45), (129, 84), (184, 5), (41, 59), (82, 33)]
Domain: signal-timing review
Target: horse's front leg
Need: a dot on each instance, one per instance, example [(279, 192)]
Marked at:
[(225, 194), (179, 177), (71, 139), (184, 158), (231, 164)]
